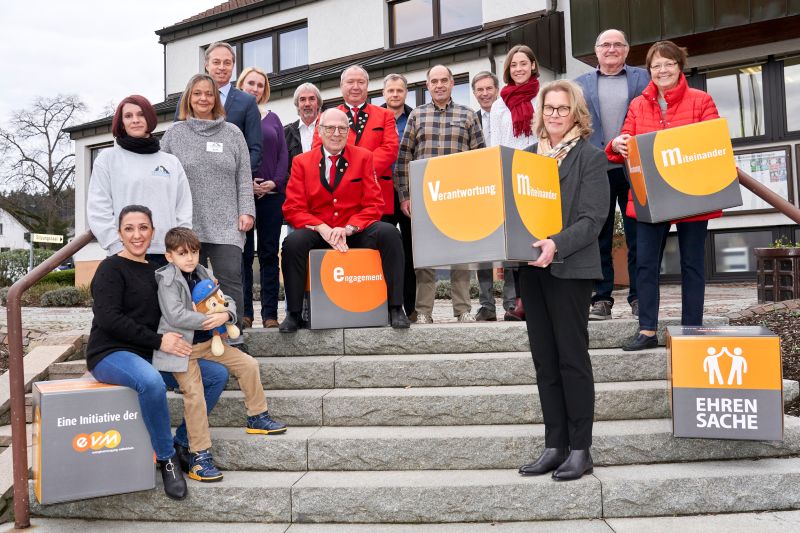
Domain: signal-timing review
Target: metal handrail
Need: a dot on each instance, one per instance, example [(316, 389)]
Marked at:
[(16, 374), (766, 194)]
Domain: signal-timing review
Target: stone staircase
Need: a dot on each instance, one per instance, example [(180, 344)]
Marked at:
[(429, 425)]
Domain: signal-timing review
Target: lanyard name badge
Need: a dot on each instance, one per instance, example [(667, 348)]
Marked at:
[(214, 147)]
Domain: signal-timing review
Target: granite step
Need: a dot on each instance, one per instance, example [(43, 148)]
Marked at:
[(424, 370), (438, 406), (434, 496), (435, 338), (473, 447)]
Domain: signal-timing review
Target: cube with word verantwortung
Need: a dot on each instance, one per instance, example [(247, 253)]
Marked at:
[(725, 382), (89, 440), (682, 172), (483, 207)]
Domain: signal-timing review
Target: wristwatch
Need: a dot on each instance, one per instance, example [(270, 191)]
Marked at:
[(352, 229)]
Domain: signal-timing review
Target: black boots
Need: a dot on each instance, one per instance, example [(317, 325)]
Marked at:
[(550, 459), (577, 464), (174, 483), (292, 323), (398, 318)]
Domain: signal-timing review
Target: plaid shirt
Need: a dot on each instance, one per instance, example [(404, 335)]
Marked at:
[(432, 132)]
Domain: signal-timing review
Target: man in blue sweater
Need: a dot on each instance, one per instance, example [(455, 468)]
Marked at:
[(609, 90)]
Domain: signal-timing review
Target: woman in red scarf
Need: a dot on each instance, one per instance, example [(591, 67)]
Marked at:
[(511, 117), (511, 121)]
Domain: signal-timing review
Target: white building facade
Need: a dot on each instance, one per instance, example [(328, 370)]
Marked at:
[(12, 233), (313, 40)]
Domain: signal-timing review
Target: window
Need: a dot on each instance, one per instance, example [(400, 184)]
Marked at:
[(733, 252), (274, 51), (96, 152), (739, 95), (415, 20), (460, 94), (791, 81), (1, 229)]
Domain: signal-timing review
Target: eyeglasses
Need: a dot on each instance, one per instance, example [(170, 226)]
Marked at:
[(608, 46), (561, 111), (667, 65), (330, 130)]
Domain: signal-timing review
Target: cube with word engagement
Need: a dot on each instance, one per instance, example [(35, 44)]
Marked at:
[(725, 382), (682, 172), (89, 440), (483, 207), (347, 289)]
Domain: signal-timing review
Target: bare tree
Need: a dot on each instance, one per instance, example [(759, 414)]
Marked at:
[(39, 158)]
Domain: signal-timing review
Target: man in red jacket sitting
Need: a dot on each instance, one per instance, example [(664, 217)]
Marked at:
[(334, 200), (371, 127)]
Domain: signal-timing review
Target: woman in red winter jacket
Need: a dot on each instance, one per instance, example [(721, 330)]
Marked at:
[(667, 102)]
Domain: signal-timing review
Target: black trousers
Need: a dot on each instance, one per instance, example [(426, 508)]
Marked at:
[(378, 236), (409, 275), (557, 315)]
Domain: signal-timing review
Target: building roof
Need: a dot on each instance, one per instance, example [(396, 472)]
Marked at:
[(483, 42), (223, 8)]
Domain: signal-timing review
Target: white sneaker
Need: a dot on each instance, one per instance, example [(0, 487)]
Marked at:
[(465, 317), (424, 319)]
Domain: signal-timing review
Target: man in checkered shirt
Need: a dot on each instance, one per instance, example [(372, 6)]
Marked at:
[(440, 127)]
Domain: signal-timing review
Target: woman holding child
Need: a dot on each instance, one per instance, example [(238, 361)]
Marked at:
[(123, 336)]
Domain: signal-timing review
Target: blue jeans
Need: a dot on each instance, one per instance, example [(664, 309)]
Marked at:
[(215, 376), (269, 221), (130, 370), (651, 239), (619, 188)]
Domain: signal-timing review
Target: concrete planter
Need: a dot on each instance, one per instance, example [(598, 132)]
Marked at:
[(778, 274)]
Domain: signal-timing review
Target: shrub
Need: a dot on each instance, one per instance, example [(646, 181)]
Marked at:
[(62, 297), (14, 263), (61, 277), (32, 296)]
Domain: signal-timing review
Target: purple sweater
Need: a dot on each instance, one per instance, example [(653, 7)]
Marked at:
[(275, 156)]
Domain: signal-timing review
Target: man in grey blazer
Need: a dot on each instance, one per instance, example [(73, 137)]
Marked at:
[(609, 90)]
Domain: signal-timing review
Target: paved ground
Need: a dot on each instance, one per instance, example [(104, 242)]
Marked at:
[(721, 300)]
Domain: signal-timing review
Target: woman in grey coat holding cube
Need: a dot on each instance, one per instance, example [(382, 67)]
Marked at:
[(557, 287)]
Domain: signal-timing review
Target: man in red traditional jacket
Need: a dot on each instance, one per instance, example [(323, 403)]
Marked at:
[(371, 127), (334, 200)]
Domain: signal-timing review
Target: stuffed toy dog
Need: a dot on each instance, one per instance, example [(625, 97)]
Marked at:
[(208, 299)]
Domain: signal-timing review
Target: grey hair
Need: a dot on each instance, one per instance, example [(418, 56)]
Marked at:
[(307, 87), (354, 67), (220, 44), (624, 37), (395, 77), (482, 75)]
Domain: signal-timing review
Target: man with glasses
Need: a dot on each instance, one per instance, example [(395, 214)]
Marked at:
[(608, 91), (371, 127), (440, 127), (334, 201)]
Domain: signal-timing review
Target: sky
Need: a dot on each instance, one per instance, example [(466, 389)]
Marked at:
[(101, 50)]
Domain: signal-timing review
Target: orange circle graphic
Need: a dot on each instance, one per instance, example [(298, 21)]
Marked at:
[(353, 280), (537, 193), (463, 194), (696, 159), (635, 172), (81, 442)]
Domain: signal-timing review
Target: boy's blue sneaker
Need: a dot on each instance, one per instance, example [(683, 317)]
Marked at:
[(264, 424), (202, 467)]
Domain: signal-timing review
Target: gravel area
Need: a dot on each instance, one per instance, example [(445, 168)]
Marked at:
[(787, 325)]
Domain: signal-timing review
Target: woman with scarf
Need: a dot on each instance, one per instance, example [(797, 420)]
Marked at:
[(137, 172), (557, 287), (511, 122)]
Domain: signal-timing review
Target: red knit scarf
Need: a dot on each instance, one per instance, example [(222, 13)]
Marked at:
[(518, 100)]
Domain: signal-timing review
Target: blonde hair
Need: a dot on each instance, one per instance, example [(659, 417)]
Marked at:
[(577, 104), (239, 82), (185, 109)]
